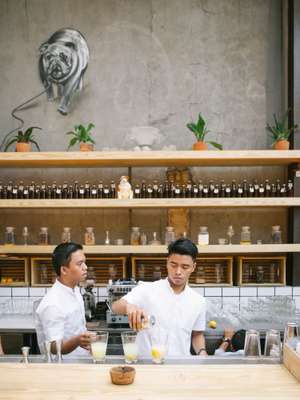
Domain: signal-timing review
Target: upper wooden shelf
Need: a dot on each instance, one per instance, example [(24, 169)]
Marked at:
[(149, 158), (155, 203), (162, 249)]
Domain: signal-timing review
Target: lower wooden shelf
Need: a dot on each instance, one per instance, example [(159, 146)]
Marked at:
[(261, 271), (14, 271)]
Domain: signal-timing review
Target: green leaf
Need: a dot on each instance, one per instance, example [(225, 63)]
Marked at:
[(35, 143), (73, 141), (10, 143), (216, 145)]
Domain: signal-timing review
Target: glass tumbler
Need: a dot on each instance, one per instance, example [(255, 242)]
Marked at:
[(272, 344), (99, 346), (252, 344), (130, 347)]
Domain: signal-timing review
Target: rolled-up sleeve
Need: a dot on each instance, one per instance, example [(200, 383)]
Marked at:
[(52, 320)]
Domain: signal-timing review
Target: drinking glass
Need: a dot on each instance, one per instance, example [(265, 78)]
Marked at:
[(159, 343), (99, 346), (252, 344), (291, 331), (272, 344), (130, 347)]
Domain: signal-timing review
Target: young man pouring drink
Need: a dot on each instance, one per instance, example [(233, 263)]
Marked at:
[(175, 306)]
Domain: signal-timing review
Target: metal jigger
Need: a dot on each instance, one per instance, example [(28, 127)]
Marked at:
[(48, 357), (25, 352), (58, 351)]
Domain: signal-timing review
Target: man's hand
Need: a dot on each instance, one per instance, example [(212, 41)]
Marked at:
[(135, 316), (228, 333), (84, 339)]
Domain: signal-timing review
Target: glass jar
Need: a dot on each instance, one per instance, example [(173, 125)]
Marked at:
[(245, 235), (25, 235), (219, 273), (143, 239), (66, 235), (43, 236), (141, 272), (112, 271), (156, 273), (276, 234), (135, 236), (203, 236), (43, 274), (260, 274), (200, 274), (169, 235), (89, 236), (10, 237), (155, 241)]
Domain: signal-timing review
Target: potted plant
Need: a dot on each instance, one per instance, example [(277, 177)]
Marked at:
[(82, 135), (280, 132), (23, 140), (200, 131)]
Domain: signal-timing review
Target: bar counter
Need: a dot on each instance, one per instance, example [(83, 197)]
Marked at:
[(197, 379)]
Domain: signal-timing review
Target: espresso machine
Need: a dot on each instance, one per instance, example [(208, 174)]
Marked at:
[(116, 290)]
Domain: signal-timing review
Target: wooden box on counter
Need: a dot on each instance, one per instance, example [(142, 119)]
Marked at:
[(261, 271), (14, 271), (291, 359), (101, 269), (210, 271)]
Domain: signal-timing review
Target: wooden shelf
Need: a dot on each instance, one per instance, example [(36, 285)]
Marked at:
[(149, 158), (154, 203), (162, 249)]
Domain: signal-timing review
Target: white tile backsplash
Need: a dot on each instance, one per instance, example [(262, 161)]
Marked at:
[(296, 291), (297, 302), (231, 292), (4, 299), (265, 291), (231, 303), (199, 290), (283, 291), (37, 291), (5, 291), (213, 291), (20, 291), (248, 291)]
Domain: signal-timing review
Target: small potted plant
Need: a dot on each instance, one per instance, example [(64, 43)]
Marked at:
[(280, 132), (82, 135), (200, 131), (23, 140)]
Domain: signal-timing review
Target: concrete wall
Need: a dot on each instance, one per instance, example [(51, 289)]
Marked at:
[(157, 63)]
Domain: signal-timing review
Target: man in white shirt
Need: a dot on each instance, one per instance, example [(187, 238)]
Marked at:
[(176, 307), (60, 315)]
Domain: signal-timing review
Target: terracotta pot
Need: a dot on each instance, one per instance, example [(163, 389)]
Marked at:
[(200, 146), (122, 375), (20, 146), (86, 147), (282, 145)]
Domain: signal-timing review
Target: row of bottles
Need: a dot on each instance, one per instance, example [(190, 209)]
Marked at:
[(138, 237), (146, 190)]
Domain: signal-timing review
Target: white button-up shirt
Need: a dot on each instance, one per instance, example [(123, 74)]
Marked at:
[(60, 315), (179, 314)]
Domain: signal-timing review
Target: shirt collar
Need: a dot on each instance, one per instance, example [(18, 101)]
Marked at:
[(65, 287), (167, 284)]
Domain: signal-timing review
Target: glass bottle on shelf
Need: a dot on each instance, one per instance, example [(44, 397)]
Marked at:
[(200, 274), (89, 236), (43, 274), (143, 239), (219, 273), (203, 236), (66, 235), (273, 273), (155, 241), (25, 235), (290, 188), (10, 237), (169, 235), (43, 236), (135, 236), (137, 191), (112, 272), (112, 189), (245, 235), (107, 238), (141, 272), (276, 234), (230, 233), (155, 189), (93, 192)]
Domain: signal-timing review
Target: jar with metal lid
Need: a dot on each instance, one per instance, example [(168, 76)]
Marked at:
[(89, 236), (245, 235), (203, 236), (135, 236), (169, 235), (276, 234), (10, 237), (44, 236), (200, 274), (66, 235)]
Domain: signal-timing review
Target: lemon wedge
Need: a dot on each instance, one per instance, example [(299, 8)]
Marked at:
[(155, 353), (212, 324)]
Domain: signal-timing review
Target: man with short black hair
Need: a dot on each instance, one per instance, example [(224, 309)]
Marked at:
[(176, 307), (60, 315)]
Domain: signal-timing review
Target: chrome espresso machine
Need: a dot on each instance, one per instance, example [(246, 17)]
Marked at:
[(116, 290)]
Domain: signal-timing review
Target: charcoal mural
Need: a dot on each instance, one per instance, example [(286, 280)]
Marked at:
[(63, 61)]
